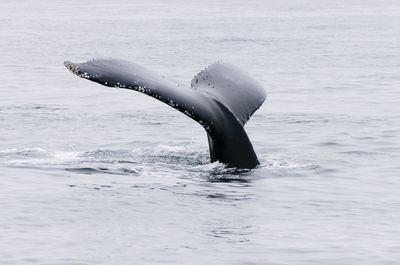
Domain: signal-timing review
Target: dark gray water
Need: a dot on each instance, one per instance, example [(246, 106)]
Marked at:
[(94, 175)]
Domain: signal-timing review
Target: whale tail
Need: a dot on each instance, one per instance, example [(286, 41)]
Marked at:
[(221, 98)]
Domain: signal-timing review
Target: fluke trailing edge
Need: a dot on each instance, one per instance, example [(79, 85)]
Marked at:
[(221, 98)]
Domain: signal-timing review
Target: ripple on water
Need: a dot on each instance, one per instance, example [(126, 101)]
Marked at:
[(181, 161)]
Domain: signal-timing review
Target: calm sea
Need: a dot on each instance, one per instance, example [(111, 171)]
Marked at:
[(97, 175)]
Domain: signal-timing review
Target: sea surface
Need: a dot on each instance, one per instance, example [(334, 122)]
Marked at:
[(97, 175)]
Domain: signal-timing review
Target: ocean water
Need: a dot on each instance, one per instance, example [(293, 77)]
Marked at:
[(98, 175)]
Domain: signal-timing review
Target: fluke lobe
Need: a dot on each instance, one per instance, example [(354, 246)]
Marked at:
[(221, 98)]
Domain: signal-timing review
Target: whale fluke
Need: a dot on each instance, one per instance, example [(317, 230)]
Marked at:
[(221, 98)]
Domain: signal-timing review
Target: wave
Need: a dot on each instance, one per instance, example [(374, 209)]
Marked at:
[(184, 161)]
